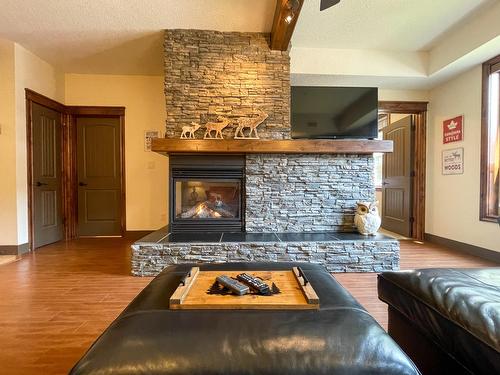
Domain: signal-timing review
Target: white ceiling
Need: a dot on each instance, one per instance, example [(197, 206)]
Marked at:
[(393, 25), (119, 36), (125, 36)]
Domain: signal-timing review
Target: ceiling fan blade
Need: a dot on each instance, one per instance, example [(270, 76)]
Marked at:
[(325, 4)]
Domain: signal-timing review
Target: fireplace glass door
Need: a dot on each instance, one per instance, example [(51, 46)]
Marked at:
[(207, 199)]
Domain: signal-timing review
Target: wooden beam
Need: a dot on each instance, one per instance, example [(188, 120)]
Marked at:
[(259, 146), (282, 31)]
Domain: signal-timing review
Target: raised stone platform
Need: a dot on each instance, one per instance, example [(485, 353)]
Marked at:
[(339, 252)]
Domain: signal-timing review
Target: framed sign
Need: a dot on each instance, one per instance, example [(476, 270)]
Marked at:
[(453, 161), (453, 130), (148, 136)]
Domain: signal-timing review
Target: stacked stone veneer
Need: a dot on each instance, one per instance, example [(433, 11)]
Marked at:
[(210, 73), (305, 193), (337, 256)]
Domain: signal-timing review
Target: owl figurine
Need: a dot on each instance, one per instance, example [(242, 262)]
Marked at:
[(367, 218)]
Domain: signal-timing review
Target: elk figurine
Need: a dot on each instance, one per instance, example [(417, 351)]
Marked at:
[(217, 127), (188, 131), (250, 123)]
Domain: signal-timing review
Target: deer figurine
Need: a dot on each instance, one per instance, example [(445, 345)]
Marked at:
[(188, 131), (217, 127), (250, 123)]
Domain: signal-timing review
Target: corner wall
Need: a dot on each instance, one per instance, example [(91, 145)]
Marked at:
[(146, 173), (38, 75), (8, 208), (19, 69), (452, 205)]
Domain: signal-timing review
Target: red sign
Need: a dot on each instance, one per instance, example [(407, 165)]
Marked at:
[(453, 130)]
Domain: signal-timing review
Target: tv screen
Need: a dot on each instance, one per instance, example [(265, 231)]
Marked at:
[(334, 112)]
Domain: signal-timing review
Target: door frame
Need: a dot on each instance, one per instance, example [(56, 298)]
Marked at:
[(69, 194), (33, 97), (419, 112), (102, 112)]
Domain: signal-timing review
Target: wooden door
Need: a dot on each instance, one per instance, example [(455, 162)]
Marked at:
[(99, 171), (47, 218), (396, 178)]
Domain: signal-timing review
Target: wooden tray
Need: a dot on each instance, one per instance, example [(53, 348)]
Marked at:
[(294, 294)]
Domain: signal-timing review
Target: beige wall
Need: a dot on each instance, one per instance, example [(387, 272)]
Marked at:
[(38, 75), (452, 207), (19, 69), (403, 95), (146, 172), (8, 216)]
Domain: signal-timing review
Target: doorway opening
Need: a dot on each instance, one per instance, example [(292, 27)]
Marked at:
[(400, 176), (76, 171)]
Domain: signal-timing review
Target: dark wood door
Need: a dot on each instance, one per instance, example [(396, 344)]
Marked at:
[(396, 177), (99, 176), (46, 176)]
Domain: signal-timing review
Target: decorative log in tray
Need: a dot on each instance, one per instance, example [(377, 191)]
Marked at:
[(292, 291)]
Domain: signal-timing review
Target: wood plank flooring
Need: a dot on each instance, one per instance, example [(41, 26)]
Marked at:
[(55, 302)]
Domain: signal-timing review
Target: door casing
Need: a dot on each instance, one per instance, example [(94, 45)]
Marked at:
[(419, 112), (68, 168)]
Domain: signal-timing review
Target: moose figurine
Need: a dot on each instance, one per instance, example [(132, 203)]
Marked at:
[(188, 131)]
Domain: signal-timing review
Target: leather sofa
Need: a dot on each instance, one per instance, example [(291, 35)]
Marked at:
[(447, 320), (339, 338)]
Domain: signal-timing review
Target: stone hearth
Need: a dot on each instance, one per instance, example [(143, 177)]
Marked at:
[(339, 252)]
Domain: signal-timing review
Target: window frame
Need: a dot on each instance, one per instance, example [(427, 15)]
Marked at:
[(489, 67)]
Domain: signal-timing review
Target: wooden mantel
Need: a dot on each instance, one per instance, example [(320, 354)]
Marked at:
[(261, 146)]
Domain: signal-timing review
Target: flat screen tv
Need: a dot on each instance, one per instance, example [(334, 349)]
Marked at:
[(334, 112)]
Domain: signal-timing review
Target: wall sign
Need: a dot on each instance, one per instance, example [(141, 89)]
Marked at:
[(453, 130), (453, 161), (148, 136)]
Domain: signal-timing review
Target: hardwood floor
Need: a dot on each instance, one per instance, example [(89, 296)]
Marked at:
[(57, 301)]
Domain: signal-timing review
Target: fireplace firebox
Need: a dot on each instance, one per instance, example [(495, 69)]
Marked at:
[(207, 193)]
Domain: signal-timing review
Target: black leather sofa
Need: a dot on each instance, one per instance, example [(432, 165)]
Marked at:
[(340, 338), (447, 320)]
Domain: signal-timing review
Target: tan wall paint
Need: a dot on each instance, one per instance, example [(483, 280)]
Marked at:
[(146, 172), (19, 69), (8, 214), (38, 75), (452, 207), (403, 95)]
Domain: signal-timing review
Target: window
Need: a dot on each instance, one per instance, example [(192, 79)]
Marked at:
[(490, 141)]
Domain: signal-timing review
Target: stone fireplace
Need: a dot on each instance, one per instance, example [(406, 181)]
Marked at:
[(247, 206)]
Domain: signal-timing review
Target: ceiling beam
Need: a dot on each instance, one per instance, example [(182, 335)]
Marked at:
[(282, 30)]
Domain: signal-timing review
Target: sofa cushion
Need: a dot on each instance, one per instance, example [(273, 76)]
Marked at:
[(458, 309)]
